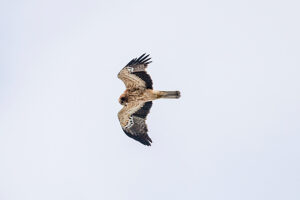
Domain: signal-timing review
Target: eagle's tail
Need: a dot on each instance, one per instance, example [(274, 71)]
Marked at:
[(169, 94)]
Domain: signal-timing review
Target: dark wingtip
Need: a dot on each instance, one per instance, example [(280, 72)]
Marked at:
[(145, 139), (148, 143), (142, 60), (141, 57)]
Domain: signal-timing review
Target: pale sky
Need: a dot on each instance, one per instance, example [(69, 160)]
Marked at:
[(233, 135)]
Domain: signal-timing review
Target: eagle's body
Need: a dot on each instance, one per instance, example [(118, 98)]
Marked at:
[(139, 94), (137, 99)]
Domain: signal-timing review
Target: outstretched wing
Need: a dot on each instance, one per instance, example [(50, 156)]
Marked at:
[(132, 118), (134, 74)]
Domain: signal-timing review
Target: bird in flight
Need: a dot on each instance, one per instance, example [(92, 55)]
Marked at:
[(137, 98)]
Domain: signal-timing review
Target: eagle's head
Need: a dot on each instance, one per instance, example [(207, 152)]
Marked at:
[(123, 99)]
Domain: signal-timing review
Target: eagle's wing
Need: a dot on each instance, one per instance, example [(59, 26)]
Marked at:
[(132, 118), (134, 74)]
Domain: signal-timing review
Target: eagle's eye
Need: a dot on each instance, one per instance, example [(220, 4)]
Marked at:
[(122, 100)]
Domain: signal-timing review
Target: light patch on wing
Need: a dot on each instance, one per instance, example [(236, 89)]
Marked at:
[(137, 126), (130, 69), (137, 68), (130, 123)]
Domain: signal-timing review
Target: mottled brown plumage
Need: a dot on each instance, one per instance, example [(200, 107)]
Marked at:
[(137, 98)]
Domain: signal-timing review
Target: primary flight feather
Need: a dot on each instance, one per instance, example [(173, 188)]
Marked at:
[(137, 98)]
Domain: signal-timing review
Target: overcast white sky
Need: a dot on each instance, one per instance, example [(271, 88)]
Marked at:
[(233, 135)]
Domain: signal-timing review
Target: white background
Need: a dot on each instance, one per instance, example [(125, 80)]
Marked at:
[(234, 134)]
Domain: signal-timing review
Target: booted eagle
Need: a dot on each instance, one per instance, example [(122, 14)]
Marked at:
[(137, 98)]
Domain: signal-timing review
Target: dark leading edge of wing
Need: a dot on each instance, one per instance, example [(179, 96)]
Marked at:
[(139, 129), (142, 60)]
